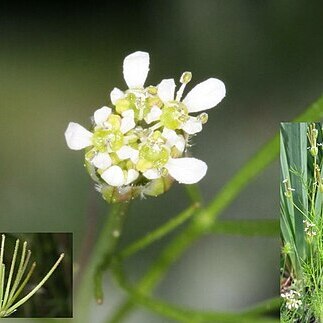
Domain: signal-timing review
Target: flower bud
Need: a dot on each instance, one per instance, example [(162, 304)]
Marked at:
[(314, 151)]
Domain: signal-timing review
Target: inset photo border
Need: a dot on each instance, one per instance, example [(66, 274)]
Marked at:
[(36, 277), (301, 221)]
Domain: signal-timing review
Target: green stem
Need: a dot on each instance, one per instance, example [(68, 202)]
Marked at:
[(103, 251), (194, 193), (112, 235), (159, 233)]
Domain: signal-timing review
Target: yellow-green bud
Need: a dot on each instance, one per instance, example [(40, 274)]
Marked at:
[(151, 101), (152, 90), (123, 105), (314, 151), (115, 121)]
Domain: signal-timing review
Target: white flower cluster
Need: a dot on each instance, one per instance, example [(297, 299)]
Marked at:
[(309, 229), (292, 299), (137, 144)]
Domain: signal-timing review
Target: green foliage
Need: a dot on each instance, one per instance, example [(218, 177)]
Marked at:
[(301, 221)]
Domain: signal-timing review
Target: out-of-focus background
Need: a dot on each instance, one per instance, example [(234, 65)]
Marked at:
[(58, 63)]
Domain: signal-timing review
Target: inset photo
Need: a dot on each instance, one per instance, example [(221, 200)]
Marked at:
[(36, 275), (301, 221)]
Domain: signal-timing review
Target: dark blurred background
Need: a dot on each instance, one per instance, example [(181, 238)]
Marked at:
[(59, 62)]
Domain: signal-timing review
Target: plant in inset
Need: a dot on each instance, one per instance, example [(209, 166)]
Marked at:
[(137, 146), (13, 283), (302, 222)]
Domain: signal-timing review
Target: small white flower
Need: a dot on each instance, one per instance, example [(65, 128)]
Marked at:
[(137, 145), (292, 299)]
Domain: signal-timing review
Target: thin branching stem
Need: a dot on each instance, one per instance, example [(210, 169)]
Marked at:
[(159, 233)]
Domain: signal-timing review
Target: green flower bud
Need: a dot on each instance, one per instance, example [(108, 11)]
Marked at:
[(314, 151), (158, 186), (151, 101), (123, 105), (152, 90), (115, 195)]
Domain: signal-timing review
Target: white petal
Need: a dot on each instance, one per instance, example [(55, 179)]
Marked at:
[(114, 176), (153, 114), (173, 139), (170, 135), (135, 69), (192, 125), (101, 160), (205, 95), (132, 175), (77, 137), (115, 95), (151, 173), (127, 152), (101, 115), (186, 170), (166, 90), (128, 113), (128, 121), (180, 143)]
